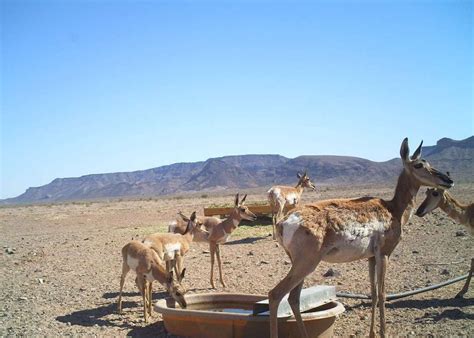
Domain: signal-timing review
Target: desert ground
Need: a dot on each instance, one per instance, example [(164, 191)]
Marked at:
[(61, 263)]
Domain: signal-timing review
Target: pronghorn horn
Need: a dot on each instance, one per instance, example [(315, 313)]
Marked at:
[(416, 155)]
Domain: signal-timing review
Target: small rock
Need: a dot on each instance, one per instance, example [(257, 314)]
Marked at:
[(22, 298), (250, 253), (205, 251), (68, 323), (286, 262), (460, 233), (264, 262), (9, 251), (41, 280), (415, 252), (445, 272), (86, 239), (331, 273)]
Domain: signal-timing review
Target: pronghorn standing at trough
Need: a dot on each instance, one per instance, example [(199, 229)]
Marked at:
[(464, 214), (345, 230), (221, 233), (179, 226), (281, 195), (143, 261), (171, 248)]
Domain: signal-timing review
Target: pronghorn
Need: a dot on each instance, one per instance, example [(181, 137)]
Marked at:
[(461, 213), (171, 248), (345, 230), (179, 226), (221, 233), (142, 260), (280, 196)]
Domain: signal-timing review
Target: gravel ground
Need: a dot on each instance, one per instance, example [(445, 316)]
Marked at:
[(60, 268)]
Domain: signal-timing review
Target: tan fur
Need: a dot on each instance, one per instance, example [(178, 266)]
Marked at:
[(147, 265), (158, 242), (179, 227), (280, 196), (343, 230), (221, 232)]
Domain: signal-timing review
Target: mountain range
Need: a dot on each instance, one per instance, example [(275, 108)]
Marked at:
[(247, 171)]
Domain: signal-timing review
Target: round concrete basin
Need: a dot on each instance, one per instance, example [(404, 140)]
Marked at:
[(230, 315)]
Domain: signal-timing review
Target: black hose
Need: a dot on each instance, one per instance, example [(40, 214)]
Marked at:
[(403, 294)]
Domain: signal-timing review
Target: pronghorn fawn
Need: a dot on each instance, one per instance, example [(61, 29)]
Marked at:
[(179, 226), (461, 213), (171, 247), (220, 233), (142, 260), (345, 230), (280, 196)]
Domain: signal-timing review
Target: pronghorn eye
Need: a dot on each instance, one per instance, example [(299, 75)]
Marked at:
[(435, 193), (418, 165)]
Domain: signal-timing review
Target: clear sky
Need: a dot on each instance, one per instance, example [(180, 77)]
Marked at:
[(106, 86)]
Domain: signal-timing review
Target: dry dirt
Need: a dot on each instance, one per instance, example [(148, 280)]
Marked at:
[(63, 274)]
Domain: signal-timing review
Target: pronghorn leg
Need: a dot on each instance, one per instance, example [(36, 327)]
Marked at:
[(381, 266), (179, 267), (142, 285), (468, 281), (218, 253), (150, 297), (212, 250), (125, 270), (299, 270), (294, 300), (373, 289)]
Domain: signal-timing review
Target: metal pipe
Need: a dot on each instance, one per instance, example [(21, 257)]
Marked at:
[(403, 294)]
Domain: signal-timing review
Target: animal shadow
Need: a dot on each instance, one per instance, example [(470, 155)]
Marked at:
[(95, 316), (451, 314), (98, 316), (248, 240), (431, 303)]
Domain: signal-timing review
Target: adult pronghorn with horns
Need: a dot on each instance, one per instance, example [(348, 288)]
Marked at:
[(345, 230)]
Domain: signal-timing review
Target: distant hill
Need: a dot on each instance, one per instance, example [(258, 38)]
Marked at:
[(247, 171)]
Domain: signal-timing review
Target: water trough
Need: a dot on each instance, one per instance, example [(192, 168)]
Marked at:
[(232, 315)]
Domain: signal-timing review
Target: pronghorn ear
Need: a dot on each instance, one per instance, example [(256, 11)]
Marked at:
[(298, 175), (183, 217), (193, 216), (243, 199), (417, 154), (236, 199), (405, 151), (304, 175)]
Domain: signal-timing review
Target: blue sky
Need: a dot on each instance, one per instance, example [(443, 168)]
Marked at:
[(105, 86)]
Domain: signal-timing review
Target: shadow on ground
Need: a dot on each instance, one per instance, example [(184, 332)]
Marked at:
[(98, 316), (247, 240), (95, 316)]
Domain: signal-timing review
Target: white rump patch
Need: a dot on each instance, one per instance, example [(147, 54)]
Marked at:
[(132, 262), (170, 250), (289, 226)]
